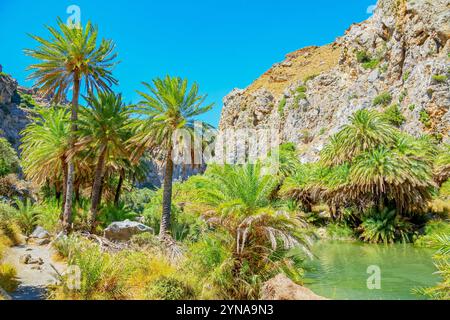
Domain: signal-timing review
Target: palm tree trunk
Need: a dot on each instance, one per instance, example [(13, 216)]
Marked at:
[(119, 187), (97, 187), (67, 215), (64, 184), (167, 195)]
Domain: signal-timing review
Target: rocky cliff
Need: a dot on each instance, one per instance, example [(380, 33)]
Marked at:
[(400, 56)]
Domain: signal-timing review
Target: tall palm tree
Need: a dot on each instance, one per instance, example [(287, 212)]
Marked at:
[(169, 106), (68, 59), (102, 129), (45, 147)]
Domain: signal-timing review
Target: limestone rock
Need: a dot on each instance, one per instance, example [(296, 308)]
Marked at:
[(40, 233), (406, 42), (124, 230), (283, 288)]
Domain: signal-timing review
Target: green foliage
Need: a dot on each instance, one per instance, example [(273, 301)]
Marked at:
[(403, 95), (8, 277), (432, 231), (281, 106), (385, 226), (439, 78), (110, 213), (310, 77), (9, 162), (26, 217), (168, 288), (137, 199), (442, 262), (336, 231), (366, 61), (406, 76), (424, 117), (394, 115), (411, 107), (72, 51), (27, 101), (301, 89), (383, 99)]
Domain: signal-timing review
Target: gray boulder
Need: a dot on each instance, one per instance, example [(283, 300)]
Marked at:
[(40, 233), (124, 230)]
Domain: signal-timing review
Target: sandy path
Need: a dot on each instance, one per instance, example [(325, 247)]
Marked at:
[(33, 282)]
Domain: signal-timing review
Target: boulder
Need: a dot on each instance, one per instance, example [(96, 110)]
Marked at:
[(40, 233), (124, 230), (283, 288)]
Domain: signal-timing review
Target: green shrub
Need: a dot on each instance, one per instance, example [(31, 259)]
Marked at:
[(394, 115), (302, 89), (337, 231), (27, 101), (424, 117), (362, 57), (432, 230), (383, 99), (9, 162), (8, 277), (372, 64), (111, 213), (411, 107), (406, 76), (169, 288), (403, 95), (439, 78), (385, 226), (137, 199)]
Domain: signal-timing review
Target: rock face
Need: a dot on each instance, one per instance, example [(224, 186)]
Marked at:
[(124, 230), (401, 51), (40, 233), (282, 288)]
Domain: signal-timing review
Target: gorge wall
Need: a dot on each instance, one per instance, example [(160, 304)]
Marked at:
[(401, 55)]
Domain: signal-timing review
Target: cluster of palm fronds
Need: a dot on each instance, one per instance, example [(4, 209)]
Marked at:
[(370, 162)]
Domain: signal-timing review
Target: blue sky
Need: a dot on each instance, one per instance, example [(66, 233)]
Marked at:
[(219, 44)]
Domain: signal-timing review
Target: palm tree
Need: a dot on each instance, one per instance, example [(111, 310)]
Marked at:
[(169, 106), (45, 147), (70, 58), (102, 130), (237, 203), (367, 129)]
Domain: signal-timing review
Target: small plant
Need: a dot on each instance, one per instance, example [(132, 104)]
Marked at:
[(362, 57), (439, 78), (322, 131), (406, 76), (424, 117), (385, 227), (27, 101), (383, 68), (366, 61), (301, 89), (168, 288), (383, 99), (306, 136), (337, 231), (411, 107), (8, 277), (281, 106), (403, 95), (394, 115)]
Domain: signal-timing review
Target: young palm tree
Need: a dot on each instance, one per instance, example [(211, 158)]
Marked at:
[(70, 58), (237, 199), (102, 130), (45, 147), (169, 106)]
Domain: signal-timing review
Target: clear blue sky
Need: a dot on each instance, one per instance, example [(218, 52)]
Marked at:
[(219, 44)]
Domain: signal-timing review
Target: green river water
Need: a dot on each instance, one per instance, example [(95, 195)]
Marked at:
[(339, 270)]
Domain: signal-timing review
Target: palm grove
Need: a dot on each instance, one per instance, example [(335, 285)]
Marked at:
[(240, 227)]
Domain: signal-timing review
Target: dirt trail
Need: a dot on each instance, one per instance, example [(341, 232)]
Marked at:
[(33, 278)]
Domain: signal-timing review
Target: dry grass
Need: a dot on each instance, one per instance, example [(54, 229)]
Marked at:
[(298, 66)]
